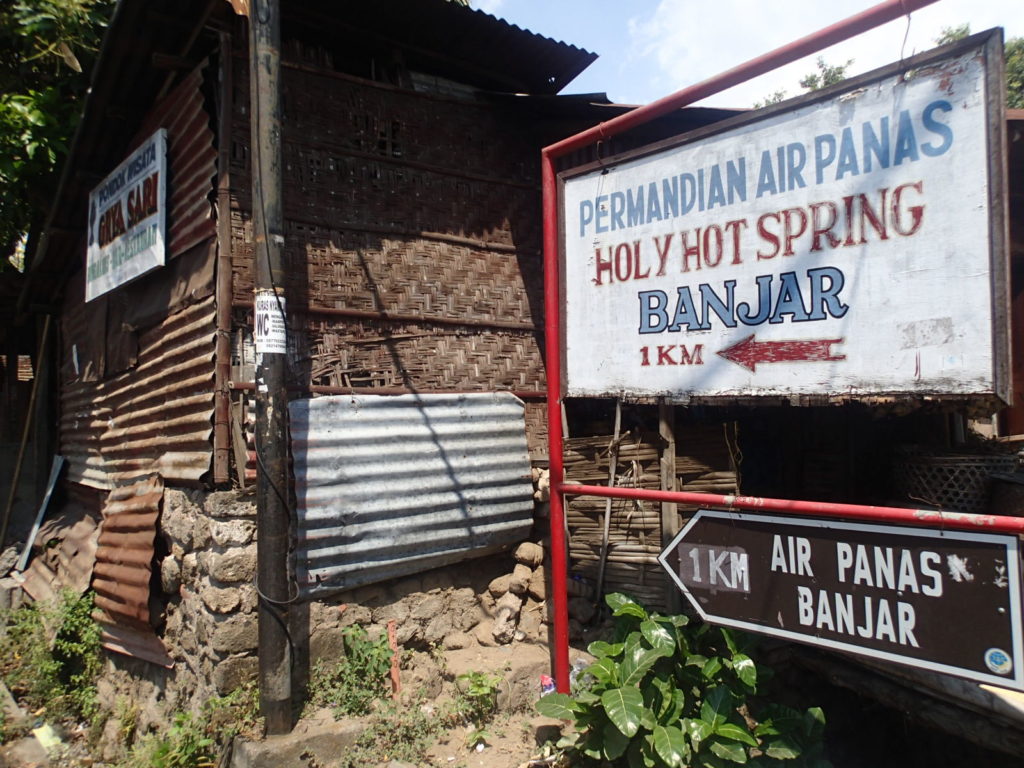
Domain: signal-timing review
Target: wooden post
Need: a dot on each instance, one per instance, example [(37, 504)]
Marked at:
[(669, 515)]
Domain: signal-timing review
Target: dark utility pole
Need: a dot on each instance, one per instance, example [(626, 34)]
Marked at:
[(269, 334)]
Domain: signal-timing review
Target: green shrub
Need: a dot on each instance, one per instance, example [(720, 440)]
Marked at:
[(351, 685), (50, 655), (193, 740), (185, 744), (671, 693), (475, 704)]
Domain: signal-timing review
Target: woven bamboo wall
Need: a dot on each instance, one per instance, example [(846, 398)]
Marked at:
[(704, 463), (421, 213)]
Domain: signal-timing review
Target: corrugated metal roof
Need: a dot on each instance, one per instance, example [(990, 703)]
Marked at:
[(124, 561), (388, 486), (154, 417), (447, 39)]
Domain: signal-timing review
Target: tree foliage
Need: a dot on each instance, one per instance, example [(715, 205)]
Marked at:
[(827, 74), (47, 48), (1013, 52)]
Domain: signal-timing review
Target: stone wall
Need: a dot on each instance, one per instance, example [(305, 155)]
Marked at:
[(208, 582), (209, 616)]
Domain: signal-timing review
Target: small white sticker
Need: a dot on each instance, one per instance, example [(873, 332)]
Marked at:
[(998, 661), (269, 332)]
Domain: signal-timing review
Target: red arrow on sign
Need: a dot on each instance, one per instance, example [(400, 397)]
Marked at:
[(749, 353)]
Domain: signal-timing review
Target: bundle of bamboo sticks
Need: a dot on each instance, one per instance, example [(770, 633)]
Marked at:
[(704, 463)]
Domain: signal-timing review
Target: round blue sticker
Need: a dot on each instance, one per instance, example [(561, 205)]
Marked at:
[(998, 661)]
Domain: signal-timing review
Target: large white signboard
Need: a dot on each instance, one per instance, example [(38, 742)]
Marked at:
[(839, 246), (128, 219)]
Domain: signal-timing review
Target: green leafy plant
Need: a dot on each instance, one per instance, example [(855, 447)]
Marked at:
[(351, 685), (50, 655), (395, 732), (194, 738), (186, 744), (476, 703), (668, 693), (237, 713)]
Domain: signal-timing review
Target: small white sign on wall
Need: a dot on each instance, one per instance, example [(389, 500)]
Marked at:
[(845, 243)]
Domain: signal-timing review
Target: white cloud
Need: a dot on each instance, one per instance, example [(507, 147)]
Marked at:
[(488, 6), (683, 42)]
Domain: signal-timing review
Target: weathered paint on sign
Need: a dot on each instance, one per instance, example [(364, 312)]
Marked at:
[(947, 601), (128, 219), (841, 246)]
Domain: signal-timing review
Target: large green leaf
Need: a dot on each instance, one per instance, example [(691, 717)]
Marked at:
[(678, 702), (670, 744), (697, 730), (745, 669), (659, 637), (664, 688), (625, 606), (605, 671), (735, 733), (717, 706), (624, 707), (730, 640), (560, 706), (615, 742), (600, 648), (731, 751), (637, 664), (814, 722), (782, 749), (711, 668)]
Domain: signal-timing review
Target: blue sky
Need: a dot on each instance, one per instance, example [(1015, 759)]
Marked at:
[(650, 48)]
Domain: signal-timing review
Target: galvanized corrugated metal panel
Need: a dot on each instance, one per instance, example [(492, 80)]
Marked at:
[(393, 485), (157, 416), (124, 560)]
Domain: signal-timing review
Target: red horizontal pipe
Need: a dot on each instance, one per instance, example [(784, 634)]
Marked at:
[(895, 515), (812, 43)]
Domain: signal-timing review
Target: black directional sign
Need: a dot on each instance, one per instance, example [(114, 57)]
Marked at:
[(947, 601)]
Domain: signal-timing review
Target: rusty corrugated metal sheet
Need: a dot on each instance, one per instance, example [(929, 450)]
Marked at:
[(393, 485), (25, 372), (124, 561), (154, 417), (191, 162), (67, 544)]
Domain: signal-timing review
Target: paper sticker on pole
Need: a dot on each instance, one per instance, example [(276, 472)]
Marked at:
[(269, 328), (946, 601), (847, 242)]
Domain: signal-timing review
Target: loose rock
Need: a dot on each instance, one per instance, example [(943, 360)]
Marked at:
[(500, 585), (520, 579), (529, 554), (537, 588)]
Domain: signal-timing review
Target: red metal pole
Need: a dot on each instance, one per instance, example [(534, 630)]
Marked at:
[(552, 349), (842, 30), (892, 515)]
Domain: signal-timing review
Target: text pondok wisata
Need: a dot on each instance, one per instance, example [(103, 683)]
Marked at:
[(838, 246), (128, 219)]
